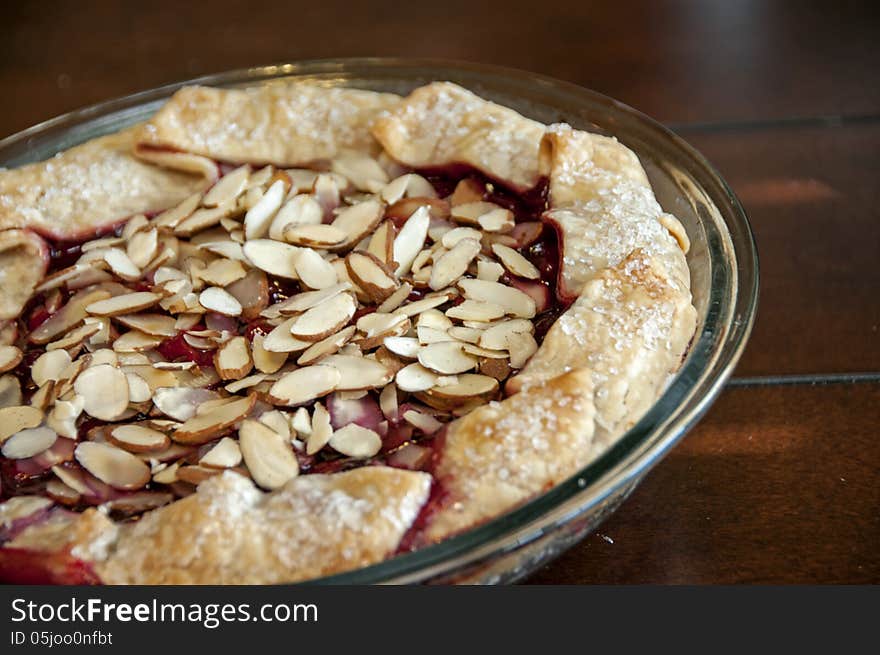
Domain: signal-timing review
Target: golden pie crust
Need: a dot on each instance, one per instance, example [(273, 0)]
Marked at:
[(599, 368)]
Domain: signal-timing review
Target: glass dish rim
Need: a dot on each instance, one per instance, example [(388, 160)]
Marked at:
[(706, 369)]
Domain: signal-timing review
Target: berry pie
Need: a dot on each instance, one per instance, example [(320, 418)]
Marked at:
[(282, 332)]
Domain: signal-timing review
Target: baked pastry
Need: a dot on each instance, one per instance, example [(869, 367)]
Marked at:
[(283, 332)]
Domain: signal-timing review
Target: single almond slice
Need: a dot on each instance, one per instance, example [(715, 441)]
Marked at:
[(273, 257), (68, 317), (142, 247), (498, 220), (245, 382), (139, 390), (415, 377), (427, 334), (476, 310), (320, 430), (371, 274), (104, 389), (314, 271), (136, 341), (267, 454), (259, 217), (49, 366), (10, 396), (474, 349), (221, 301), (515, 262), (138, 438), (457, 234), (157, 325), (267, 361), (521, 346), (496, 337), (406, 347), (325, 319), (280, 340), (227, 249), (112, 465), (228, 187), (424, 422), (28, 442), (121, 265), (126, 303), (469, 213), (469, 387), (396, 299), (314, 236), (301, 422), (20, 507), (446, 357), (514, 301), (453, 264), (409, 185), (327, 346), (167, 475), (411, 239), (357, 221), (302, 301), (223, 272), (180, 403), (252, 292), (417, 307), (278, 421), (358, 372), (381, 244), (435, 319), (304, 385), (203, 428), (361, 170), (356, 441), (233, 359), (170, 218), (223, 455), (388, 401), (466, 334), (302, 209), (489, 271)]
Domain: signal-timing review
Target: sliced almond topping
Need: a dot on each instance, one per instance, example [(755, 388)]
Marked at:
[(496, 337), (476, 310), (69, 316), (111, 465), (320, 430), (452, 237), (396, 299), (280, 340), (223, 272), (136, 341), (515, 262), (227, 249), (304, 384), (470, 387), (417, 307), (28, 442), (327, 346), (49, 366), (121, 265), (104, 390), (76, 337), (142, 247), (228, 187), (427, 334), (314, 271), (174, 366), (171, 217), (245, 383), (356, 441), (138, 389), (202, 219), (357, 222), (446, 357), (138, 438), (371, 274), (325, 319), (382, 243), (314, 236), (362, 170), (411, 239), (19, 507), (126, 303), (265, 360), (259, 217), (489, 271), (225, 454), (424, 422), (103, 356), (302, 209), (10, 396), (233, 359), (454, 263), (167, 475), (406, 347), (274, 257), (358, 372), (180, 403), (267, 454), (514, 301), (415, 377), (522, 346), (435, 319), (498, 220), (378, 325), (470, 212), (388, 401), (308, 299), (474, 349), (409, 185), (203, 428), (10, 356), (221, 301), (157, 325), (301, 422)]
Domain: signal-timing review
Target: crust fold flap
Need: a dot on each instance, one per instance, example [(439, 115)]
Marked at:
[(442, 124), (282, 123)]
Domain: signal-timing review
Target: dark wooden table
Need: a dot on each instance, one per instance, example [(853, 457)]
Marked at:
[(779, 483)]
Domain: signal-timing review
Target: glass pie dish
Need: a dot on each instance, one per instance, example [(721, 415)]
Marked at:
[(722, 264)]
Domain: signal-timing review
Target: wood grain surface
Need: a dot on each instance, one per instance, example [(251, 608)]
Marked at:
[(779, 483)]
